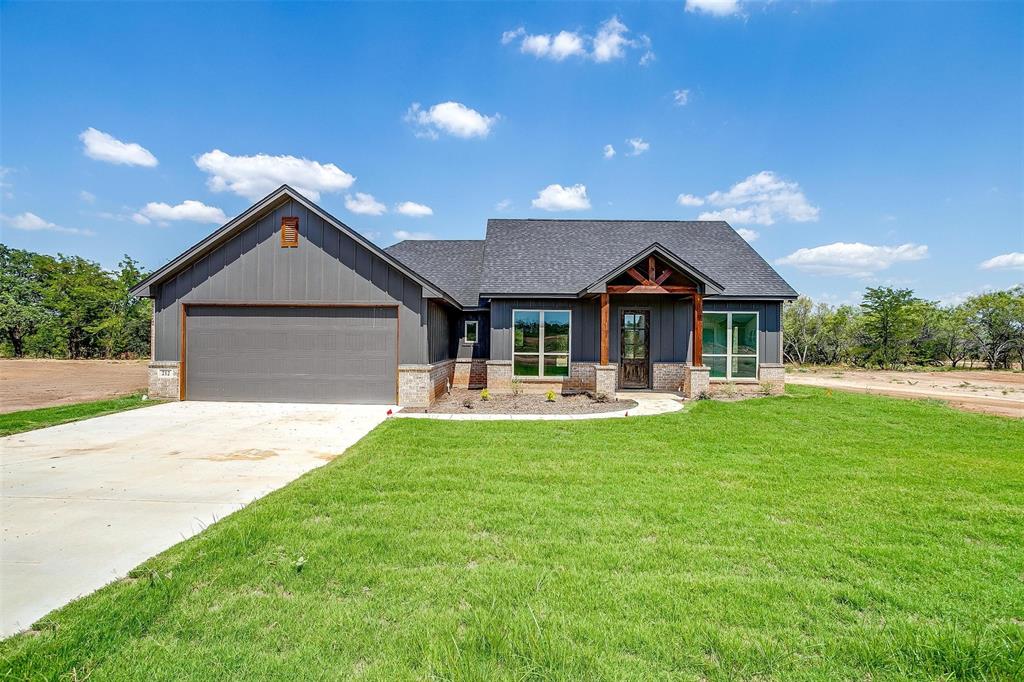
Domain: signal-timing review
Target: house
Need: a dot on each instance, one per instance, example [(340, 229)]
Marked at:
[(287, 303)]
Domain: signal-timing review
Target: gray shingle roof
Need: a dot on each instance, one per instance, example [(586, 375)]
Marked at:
[(452, 264), (567, 256)]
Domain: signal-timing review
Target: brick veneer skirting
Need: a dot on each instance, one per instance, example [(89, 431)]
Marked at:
[(470, 373), (668, 376), (420, 385), (163, 379)]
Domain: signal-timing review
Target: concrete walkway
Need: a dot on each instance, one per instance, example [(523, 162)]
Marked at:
[(648, 403), (84, 503)]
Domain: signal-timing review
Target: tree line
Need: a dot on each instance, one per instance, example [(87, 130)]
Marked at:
[(891, 328), (70, 307)]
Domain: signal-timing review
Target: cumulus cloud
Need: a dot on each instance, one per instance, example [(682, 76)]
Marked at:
[(191, 210), (253, 177), (718, 8), (612, 41), (30, 222), (405, 234), (503, 205), (639, 146), (414, 210), (749, 235), (689, 200), (681, 97), (761, 199), (852, 259), (1006, 261), (559, 198), (87, 197), (364, 204), (609, 151), (104, 147), (451, 118)]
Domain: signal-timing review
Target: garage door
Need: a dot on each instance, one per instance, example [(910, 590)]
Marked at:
[(291, 354)]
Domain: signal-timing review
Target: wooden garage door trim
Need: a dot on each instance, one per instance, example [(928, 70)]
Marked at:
[(185, 305)]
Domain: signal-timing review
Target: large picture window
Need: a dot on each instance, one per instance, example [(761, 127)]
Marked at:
[(730, 345), (540, 343)]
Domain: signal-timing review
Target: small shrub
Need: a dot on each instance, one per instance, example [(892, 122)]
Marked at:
[(550, 396), (704, 395), (485, 395), (468, 403), (517, 387), (599, 397), (767, 388)]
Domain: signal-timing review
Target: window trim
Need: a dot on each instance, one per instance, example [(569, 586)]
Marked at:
[(729, 355), (540, 345), (476, 330)]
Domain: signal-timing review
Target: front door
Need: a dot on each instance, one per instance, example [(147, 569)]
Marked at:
[(634, 359)]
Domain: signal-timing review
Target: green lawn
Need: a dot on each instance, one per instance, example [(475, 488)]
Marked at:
[(815, 536), (27, 420)]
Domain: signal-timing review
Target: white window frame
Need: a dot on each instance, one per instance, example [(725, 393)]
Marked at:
[(728, 354), (465, 331), (540, 344)]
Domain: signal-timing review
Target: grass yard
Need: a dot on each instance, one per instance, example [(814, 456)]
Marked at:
[(814, 536), (27, 420)]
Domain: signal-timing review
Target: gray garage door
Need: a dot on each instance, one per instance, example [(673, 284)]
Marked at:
[(300, 354)]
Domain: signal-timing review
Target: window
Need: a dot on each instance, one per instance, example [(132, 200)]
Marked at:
[(730, 345), (289, 232), (469, 334), (540, 343)]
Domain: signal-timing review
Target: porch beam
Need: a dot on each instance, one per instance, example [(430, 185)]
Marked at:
[(632, 272), (604, 328), (649, 289), (666, 273), (698, 330)]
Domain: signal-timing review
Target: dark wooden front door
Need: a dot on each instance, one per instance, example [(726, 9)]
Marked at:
[(635, 354)]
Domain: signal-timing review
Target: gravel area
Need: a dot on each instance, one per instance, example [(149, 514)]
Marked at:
[(526, 403)]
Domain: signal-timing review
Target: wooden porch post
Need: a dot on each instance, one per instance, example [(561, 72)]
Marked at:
[(604, 329), (698, 330)]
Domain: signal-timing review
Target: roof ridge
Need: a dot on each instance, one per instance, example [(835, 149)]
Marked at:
[(606, 220)]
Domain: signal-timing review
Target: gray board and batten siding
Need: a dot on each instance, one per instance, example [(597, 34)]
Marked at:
[(327, 267), (670, 332)]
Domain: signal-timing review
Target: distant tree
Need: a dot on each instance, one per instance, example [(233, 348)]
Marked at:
[(995, 322), (799, 329), (952, 341), (125, 330), (837, 334), (21, 296), (890, 326)]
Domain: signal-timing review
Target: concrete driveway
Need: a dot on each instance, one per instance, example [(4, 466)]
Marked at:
[(84, 503)]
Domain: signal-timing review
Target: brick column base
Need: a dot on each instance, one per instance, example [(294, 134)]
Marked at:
[(499, 375), (163, 379), (606, 379), (772, 375), (420, 385), (697, 382)]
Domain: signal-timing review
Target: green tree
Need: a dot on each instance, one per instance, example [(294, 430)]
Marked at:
[(995, 322), (125, 330), (799, 329), (21, 296), (892, 319)]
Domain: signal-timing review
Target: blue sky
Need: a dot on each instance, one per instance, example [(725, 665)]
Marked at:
[(854, 143)]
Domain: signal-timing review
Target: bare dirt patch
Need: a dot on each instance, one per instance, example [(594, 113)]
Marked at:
[(462, 401), (28, 384), (992, 392)]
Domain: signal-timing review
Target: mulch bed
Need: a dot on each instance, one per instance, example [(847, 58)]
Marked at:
[(526, 403)]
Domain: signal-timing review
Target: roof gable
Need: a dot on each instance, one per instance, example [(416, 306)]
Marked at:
[(710, 285), (567, 257), (453, 264), (281, 195)]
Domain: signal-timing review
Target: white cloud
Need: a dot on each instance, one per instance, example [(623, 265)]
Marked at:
[(611, 42), (681, 97), (364, 204), (761, 199), (405, 234), (609, 151), (749, 235), (718, 8), (87, 197), (191, 210), (103, 147), (558, 198), (639, 146), (689, 200), (453, 118), (852, 260), (30, 222), (1006, 261), (414, 210), (562, 45), (503, 205), (253, 177)]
